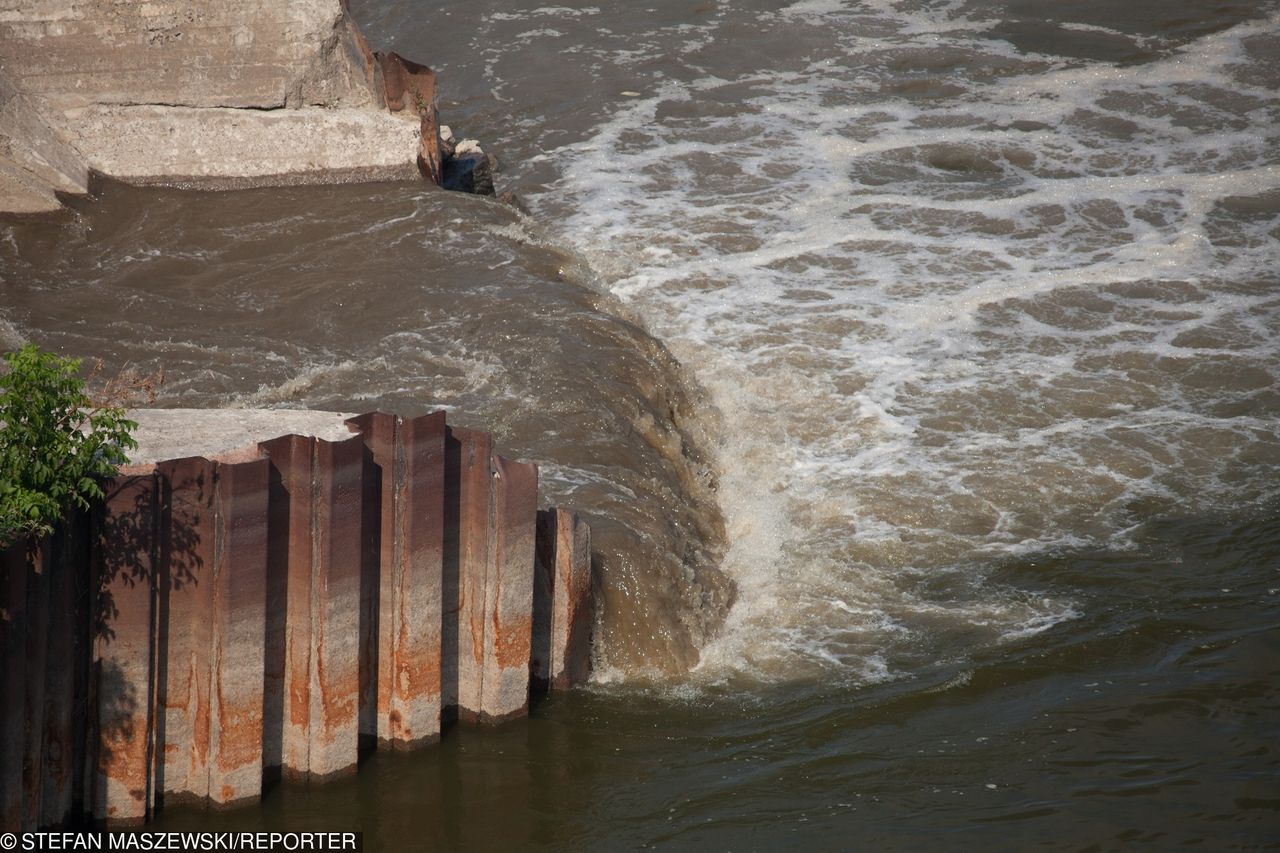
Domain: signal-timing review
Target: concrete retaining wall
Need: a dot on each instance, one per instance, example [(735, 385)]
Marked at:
[(216, 623), (227, 93)]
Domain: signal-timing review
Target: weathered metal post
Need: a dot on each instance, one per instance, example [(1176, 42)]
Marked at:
[(125, 548), (410, 454)]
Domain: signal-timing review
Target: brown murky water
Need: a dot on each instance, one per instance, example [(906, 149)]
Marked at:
[(917, 363), (408, 300)]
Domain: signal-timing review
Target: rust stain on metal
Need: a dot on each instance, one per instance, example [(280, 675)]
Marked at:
[(510, 587), (571, 614), (239, 617), (299, 692), (185, 581), (475, 506), (419, 512), (240, 741), (291, 458), (335, 681), (268, 612), (511, 642), (125, 571), (199, 759), (410, 86)]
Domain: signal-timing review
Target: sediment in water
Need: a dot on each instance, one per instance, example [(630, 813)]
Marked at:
[(254, 93)]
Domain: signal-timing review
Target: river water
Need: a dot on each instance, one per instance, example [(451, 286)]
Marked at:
[(916, 364)]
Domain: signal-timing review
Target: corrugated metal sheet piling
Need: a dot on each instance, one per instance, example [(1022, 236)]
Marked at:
[(214, 624)]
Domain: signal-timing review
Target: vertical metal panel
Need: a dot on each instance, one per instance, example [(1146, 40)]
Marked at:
[(36, 664), (239, 631), (475, 504), (540, 671), (62, 749), (378, 432), (509, 590), (335, 631), (371, 520), (124, 542), (242, 616), (13, 682), (449, 585), (571, 614), (288, 654), (410, 86), (418, 612), (184, 635), (293, 457)]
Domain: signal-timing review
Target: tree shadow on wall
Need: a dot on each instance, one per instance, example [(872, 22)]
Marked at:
[(143, 552)]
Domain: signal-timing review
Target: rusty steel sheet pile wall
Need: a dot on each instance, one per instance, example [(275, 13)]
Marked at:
[(215, 624)]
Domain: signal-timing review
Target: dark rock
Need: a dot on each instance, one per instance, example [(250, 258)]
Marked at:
[(469, 170), (514, 200)]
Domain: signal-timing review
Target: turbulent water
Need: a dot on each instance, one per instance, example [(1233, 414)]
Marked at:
[(406, 300), (955, 518)]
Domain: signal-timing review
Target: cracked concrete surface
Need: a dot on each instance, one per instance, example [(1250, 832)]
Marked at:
[(227, 93)]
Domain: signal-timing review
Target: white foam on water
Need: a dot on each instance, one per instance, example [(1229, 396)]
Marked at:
[(450, 367), (11, 336), (1013, 318), (546, 12)]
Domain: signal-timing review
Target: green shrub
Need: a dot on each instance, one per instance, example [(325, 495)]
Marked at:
[(55, 443)]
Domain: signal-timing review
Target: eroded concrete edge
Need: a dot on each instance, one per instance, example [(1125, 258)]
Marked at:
[(229, 94)]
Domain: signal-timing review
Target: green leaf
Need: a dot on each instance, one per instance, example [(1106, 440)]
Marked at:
[(53, 444)]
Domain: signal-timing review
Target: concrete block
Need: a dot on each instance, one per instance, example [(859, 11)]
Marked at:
[(239, 631), (227, 94), (234, 53), (124, 543), (29, 142), (218, 433), (229, 148), (23, 193)]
